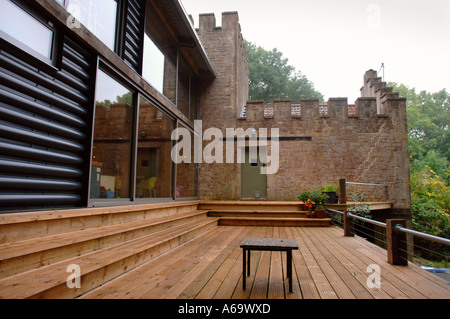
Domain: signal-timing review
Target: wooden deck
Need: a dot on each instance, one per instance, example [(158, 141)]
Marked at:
[(327, 266)]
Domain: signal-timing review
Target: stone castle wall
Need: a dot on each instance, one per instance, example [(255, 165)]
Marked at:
[(319, 144)]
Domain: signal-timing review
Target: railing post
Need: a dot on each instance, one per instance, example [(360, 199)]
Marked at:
[(348, 225), (342, 192), (396, 243)]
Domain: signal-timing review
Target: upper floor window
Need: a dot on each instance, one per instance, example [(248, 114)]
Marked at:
[(24, 30), (99, 17)]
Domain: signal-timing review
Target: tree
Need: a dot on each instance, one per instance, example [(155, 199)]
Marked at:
[(428, 129), (271, 77)]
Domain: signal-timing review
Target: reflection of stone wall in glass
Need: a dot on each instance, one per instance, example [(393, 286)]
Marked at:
[(153, 156), (112, 138)]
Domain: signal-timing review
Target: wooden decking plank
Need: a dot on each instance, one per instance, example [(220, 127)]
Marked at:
[(177, 269), (355, 251), (232, 288), (321, 282), (134, 283), (343, 267), (260, 283), (276, 276), (222, 275), (336, 282), (296, 290), (425, 286), (173, 286), (357, 264), (207, 282)]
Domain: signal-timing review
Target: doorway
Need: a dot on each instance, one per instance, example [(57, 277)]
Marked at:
[(253, 182)]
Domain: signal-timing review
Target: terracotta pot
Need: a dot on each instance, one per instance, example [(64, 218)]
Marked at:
[(320, 213)]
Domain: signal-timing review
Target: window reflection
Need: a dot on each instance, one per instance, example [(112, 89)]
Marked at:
[(154, 163), (187, 176), (112, 139), (98, 16), (21, 26)]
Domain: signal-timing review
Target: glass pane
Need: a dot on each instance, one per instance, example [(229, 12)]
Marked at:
[(160, 56), (184, 85), (153, 64), (98, 16), (154, 164), (23, 27), (187, 171), (112, 139)]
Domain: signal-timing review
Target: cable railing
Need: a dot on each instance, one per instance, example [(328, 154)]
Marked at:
[(392, 234)]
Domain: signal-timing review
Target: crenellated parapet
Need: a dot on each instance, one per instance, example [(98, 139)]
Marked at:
[(377, 101)]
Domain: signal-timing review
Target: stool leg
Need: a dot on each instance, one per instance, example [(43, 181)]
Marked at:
[(289, 268), (244, 264), (248, 262)]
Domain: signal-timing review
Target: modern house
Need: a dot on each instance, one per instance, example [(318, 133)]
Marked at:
[(127, 138), (91, 93)]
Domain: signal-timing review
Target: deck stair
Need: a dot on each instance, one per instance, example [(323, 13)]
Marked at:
[(261, 213), (103, 243)]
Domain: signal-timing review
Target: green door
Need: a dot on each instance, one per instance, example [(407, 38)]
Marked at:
[(253, 183)]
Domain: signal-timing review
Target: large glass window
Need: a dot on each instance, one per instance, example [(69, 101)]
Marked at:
[(98, 16), (187, 175), (112, 139), (154, 163), (153, 64), (160, 56), (25, 30)]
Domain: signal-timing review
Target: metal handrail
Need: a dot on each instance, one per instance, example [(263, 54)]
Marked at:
[(436, 239), (398, 228), (368, 184), (335, 211), (371, 221)]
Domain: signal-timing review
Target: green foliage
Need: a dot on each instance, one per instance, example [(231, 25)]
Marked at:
[(429, 153), (271, 77), (428, 128), (358, 205), (430, 198), (315, 197)]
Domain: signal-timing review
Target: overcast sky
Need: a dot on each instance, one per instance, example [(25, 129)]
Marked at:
[(333, 42)]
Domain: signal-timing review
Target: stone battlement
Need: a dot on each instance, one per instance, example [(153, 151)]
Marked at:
[(207, 21), (376, 101)]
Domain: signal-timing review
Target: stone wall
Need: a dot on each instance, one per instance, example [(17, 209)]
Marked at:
[(221, 101), (319, 144)]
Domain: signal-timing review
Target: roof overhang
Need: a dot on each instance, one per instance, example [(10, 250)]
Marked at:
[(179, 25)]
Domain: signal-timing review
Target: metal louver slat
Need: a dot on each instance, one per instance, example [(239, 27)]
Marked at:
[(133, 43), (13, 183), (14, 166), (17, 117), (40, 139), (43, 130)]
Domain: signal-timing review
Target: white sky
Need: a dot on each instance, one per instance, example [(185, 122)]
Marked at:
[(333, 42)]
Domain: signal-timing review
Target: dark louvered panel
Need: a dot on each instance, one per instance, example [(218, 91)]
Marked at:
[(43, 130), (133, 39)]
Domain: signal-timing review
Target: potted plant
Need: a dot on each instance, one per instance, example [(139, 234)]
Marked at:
[(331, 191), (313, 199), (320, 211)]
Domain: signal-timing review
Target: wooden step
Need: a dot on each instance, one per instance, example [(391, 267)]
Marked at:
[(100, 266), (251, 205), (258, 213), (280, 222), (23, 226), (38, 252)]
